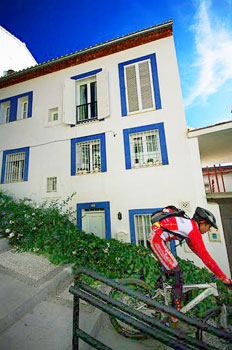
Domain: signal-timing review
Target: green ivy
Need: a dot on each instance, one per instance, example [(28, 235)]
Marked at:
[(49, 229)]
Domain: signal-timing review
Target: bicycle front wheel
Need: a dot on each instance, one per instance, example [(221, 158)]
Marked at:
[(212, 317), (135, 285)]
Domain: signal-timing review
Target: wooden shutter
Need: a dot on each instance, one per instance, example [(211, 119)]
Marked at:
[(145, 85), (103, 94), (69, 102), (132, 91)]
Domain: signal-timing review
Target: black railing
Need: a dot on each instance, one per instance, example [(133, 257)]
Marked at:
[(86, 112), (148, 325)]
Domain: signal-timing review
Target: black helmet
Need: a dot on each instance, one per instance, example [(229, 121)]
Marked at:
[(204, 214)]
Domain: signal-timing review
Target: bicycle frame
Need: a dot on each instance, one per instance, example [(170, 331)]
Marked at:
[(210, 289)]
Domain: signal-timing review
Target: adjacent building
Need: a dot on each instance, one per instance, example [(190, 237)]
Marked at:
[(14, 55), (107, 123), (216, 154)]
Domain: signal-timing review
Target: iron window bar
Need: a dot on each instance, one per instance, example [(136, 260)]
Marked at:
[(145, 148), (86, 112), (14, 170), (88, 156), (52, 184), (142, 229)]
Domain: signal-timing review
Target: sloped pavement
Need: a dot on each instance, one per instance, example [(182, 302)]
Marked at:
[(36, 307)]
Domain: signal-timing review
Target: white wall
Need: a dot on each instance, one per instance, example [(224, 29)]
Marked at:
[(153, 187), (14, 53)]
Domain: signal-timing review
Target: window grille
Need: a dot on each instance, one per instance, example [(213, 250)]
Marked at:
[(145, 148), (186, 206), (142, 229), (139, 86), (52, 184), (14, 168), (88, 156)]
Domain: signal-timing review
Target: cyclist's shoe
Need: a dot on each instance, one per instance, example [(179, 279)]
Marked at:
[(176, 324)]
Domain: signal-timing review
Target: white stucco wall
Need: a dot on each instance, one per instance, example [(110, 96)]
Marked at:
[(14, 53), (150, 187)]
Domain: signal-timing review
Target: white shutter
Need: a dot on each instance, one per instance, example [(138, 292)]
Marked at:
[(145, 85), (103, 94), (69, 102), (132, 91)]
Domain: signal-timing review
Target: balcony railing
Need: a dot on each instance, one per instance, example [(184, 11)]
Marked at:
[(217, 179), (86, 112)]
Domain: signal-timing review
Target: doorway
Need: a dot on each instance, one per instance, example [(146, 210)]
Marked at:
[(95, 217), (93, 221)]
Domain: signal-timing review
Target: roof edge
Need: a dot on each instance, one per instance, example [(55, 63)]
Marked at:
[(9, 79), (208, 129)]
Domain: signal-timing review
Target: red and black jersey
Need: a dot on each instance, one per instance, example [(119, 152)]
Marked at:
[(186, 228)]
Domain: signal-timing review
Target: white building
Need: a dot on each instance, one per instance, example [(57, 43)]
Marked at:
[(107, 123), (14, 53)]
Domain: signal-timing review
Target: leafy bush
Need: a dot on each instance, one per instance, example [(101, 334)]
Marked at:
[(49, 229)]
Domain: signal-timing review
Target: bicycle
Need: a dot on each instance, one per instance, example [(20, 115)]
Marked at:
[(219, 316)]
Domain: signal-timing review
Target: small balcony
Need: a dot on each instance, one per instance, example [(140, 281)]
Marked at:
[(86, 113), (218, 181)]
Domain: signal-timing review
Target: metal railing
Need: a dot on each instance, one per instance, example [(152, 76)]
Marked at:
[(86, 112), (148, 325), (217, 179)]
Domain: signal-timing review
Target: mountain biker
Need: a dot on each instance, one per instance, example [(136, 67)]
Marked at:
[(175, 228)]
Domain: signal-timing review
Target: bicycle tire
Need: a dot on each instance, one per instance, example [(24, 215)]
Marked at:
[(210, 317), (119, 326)]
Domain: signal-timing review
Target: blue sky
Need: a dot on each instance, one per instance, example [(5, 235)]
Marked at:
[(202, 34)]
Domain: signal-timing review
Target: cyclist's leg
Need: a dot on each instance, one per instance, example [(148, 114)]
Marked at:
[(177, 295), (170, 263)]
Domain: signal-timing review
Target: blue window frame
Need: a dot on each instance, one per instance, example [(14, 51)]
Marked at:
[(92, 153), (14, 103), (86, 75), (144, 212), (15, 165), (154, 83), (142, 129), (92, 206)]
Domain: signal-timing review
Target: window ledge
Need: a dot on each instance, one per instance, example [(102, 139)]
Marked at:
[(129, 114), (14, 121), (88, 172), (87, 122), (146, 165), (12, 182), (50, 124)]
